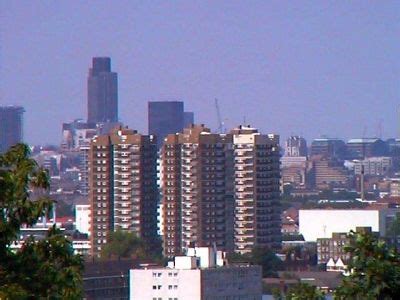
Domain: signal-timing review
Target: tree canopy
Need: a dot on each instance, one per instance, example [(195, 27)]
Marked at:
[(44, 268), (124, 244), (374, 269), (262, 256)]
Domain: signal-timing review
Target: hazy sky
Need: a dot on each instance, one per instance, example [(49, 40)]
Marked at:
[(290, 67)]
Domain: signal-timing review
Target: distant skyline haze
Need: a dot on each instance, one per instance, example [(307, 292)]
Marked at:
[(304, 68)]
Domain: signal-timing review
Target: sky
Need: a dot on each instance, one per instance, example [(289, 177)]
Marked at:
[(311, 68)]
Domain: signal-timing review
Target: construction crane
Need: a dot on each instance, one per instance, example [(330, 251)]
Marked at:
[(221, 128)]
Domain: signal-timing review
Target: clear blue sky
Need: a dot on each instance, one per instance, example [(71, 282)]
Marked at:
[(303, 67)]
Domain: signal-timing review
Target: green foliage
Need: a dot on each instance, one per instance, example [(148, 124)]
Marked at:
[(374, 270), (393, 231), (262, 256), (303, 291), (300, 291), (128, 245), (40, 269), (64, 209), (336, 205)]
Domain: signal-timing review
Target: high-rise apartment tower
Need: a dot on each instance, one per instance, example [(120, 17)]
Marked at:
[(220, 189), (123, 189), (197, 190), (257, 193)]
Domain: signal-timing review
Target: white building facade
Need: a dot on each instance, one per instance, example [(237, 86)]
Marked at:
[(321, 223), (82, 218), (202, 276)]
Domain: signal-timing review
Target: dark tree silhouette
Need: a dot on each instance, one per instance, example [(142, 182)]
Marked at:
[(46, 268)]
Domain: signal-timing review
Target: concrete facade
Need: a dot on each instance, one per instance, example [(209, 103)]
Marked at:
[(197, 190), (322, 223), (257, 189), (82, 218), (197, 276), (123, 185)]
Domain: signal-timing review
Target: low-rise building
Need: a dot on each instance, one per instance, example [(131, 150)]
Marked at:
[(82, 218), (329, 173), (366, 147), (331, 251), (322, 223), (394, 187), (107, 279), (294, 171), (80, 242), (201, 274), (375, 166)]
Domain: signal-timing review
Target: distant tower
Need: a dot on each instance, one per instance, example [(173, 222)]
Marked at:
[(11, 126), (102, 92), (165, 117), (296, 146)]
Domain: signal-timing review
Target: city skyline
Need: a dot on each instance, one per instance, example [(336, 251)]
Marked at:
[(287, 69)]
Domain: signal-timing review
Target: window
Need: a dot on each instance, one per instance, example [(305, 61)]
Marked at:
[(154, 287)]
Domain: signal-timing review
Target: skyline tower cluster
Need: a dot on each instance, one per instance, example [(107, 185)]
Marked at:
[(217, 190), (209, 189)]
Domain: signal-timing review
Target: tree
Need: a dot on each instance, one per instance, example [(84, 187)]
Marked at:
[(46, 268), (268, 260), (123, 244), (374, 269), (262, 256), (300, 291), (303, 291), (393, 232)]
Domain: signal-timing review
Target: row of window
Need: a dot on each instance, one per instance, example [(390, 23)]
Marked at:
[(170, 274)]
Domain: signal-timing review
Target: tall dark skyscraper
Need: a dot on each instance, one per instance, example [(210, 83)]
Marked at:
[(102, 92), (11, 126), (165, 117), (188, 118)]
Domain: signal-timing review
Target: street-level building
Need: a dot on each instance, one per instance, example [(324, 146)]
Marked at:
[(322, 223), (200, 275)]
